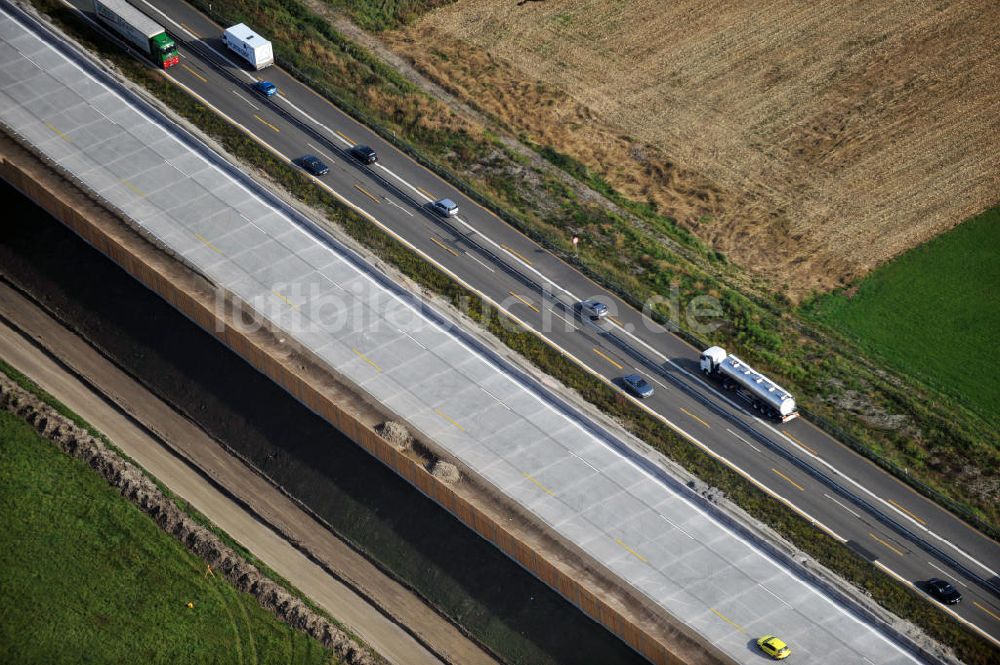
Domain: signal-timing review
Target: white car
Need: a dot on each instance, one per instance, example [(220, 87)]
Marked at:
[(445, 207)]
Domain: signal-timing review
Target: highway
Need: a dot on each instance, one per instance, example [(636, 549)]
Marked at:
[(840, 491), (627, 518)]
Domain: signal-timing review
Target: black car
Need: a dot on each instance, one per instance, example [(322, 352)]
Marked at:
[(942, 591), (314, 165), (364, 154)]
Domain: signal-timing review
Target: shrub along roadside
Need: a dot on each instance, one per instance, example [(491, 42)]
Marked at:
[(897, 598), (943, 450)]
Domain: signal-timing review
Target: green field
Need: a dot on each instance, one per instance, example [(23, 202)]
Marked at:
[(86, 577), (933, 313)]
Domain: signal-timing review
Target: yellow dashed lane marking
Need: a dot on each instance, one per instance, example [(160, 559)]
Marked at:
[(205, 242), (203, 79), (728, 620), (443, 246), (797, 486), (445, 416), (630, 550), (367, 193), (607, 357), (287, 301), (696, 417), (799, 442), (514, 252), (135, 190), (894, 549), (524, 300), (907, 512), (987, 610), (266, 122), (367, 360), (540, 485), (57, 132)]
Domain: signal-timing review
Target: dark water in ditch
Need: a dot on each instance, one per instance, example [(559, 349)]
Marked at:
[(505, 607)]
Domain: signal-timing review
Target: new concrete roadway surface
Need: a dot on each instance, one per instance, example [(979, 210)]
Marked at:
[(108, 394), (842, 492), (582, 481)]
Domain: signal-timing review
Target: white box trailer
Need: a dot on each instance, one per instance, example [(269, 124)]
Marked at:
[(760, 392), (249, 45)]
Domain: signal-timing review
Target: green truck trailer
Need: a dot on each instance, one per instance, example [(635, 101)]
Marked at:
[(139, 30)]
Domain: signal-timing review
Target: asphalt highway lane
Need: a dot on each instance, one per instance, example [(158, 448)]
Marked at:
[(840, 491)]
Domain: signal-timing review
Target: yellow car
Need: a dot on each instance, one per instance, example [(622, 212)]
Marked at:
[(774, 647)]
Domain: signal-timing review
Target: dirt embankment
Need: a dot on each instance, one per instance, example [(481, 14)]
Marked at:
[(809, 142), (141, 491)]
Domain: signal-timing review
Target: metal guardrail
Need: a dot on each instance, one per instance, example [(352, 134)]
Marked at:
[(893, 468)]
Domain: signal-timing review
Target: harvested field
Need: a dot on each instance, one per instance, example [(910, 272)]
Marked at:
[(810, 142)]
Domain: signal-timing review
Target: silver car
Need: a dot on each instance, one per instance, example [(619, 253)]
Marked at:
[(445, 207), (594, 309)]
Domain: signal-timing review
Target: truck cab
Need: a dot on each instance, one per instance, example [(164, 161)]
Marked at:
[(711, 358)]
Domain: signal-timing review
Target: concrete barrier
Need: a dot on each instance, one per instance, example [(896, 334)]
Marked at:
[(646, 628)]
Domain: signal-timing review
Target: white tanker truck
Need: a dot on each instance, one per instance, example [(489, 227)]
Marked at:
[(763, 394)]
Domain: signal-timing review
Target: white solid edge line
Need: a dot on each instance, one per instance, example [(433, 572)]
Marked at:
[(888, 505), (889, 571), (587, 368), (252, 105), (546, 279), (630, 335)]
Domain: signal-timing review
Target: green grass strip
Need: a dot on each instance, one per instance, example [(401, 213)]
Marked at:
[(85, 574)]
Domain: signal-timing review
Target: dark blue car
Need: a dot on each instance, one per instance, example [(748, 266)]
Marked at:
[(637, 385), (364, 154), (265, 88), (314, 165)]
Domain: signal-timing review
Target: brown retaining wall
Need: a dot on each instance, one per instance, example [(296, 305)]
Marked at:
[(644, 626)]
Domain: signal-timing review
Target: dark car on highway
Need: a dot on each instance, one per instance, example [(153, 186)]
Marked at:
[(364, 154), (637, 385), (942, 591), (314, 165), (265, 88)]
